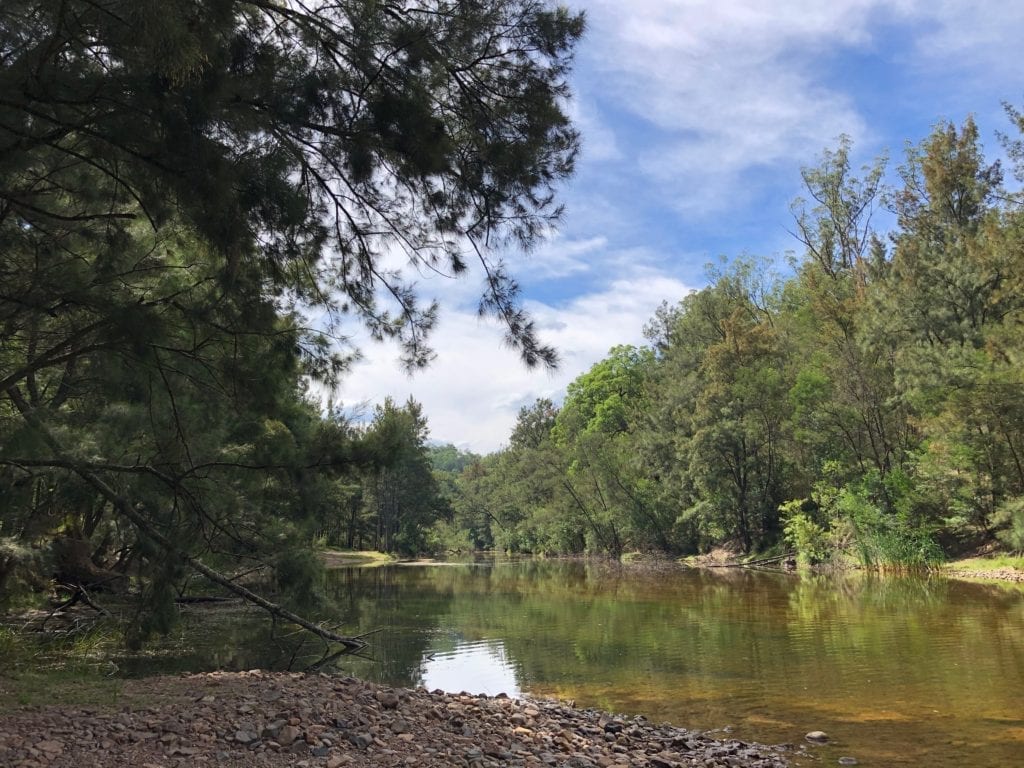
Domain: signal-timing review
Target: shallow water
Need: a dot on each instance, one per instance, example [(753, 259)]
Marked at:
[(898, 671)]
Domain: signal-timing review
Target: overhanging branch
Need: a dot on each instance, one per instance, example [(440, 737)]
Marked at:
[(129, 512)]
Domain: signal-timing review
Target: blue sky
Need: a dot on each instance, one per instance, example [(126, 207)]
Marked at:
[(697, 117)]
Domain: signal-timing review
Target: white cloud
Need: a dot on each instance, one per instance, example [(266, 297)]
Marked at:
[(559, 256), (600, 143), (983, 36), (472, 393), (726, 86)]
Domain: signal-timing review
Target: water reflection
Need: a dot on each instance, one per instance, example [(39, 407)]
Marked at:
[(899, 671), (475, 667)]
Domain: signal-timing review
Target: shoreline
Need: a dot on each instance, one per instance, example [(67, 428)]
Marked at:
[(1010, 575), (274, 719), (965, 568)]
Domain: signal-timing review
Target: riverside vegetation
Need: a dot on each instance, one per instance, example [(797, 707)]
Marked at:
[(866, 406)]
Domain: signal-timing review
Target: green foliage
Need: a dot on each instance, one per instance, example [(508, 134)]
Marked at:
[(402, 497), (194, 200), (891, 545), (448, 458), (447, 536), (804, 534), (880, 385), (1009, 519), (299, 573)]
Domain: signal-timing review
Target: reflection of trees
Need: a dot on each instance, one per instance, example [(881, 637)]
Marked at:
[(404, 607), (702, 646)]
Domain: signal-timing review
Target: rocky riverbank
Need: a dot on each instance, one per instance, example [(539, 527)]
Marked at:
[(985, 574), (316, 721)]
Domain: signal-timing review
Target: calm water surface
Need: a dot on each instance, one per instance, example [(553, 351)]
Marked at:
[(898, 671)]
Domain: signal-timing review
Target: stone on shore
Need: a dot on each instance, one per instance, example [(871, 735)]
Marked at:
[(273, 720)]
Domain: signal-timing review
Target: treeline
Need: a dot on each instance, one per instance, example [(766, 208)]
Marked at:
[(871, 401)]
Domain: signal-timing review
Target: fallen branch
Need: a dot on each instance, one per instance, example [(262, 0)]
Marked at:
[(125, 507), (194, 599), (753, 563)]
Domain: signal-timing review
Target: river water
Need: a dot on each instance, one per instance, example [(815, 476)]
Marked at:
[(897, 670)]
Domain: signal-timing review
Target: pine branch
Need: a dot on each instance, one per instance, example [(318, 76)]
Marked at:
[(125, 507)]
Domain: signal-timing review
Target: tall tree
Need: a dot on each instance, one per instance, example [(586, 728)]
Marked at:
[(181, 184)]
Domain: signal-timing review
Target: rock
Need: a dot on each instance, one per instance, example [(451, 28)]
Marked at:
[(818, 737), (361, 740), (273, 730), (660, 761), (848, 761), (326, 722)]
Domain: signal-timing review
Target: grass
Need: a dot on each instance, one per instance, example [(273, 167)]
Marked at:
[(34, 673), (67, 686), (989, 563)]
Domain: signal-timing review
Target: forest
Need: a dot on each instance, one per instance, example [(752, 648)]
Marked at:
[(199, 201), (862, 401)]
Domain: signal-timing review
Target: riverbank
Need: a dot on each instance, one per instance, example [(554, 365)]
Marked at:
[(345, 558), (988, 568), (283, 719)]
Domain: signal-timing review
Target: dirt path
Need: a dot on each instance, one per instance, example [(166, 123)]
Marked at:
[(280, 719)]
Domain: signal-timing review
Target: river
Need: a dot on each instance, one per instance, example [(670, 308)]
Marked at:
[(897, 670)]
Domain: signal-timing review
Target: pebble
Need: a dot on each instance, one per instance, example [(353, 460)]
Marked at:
[(273, 720)]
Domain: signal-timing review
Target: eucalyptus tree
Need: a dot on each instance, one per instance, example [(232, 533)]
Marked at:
[(402, 497), (952, 299), (606, 478), (845, 392)]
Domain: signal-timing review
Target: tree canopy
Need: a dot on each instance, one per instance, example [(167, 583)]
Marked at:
[(866, 404), (197, 199)]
